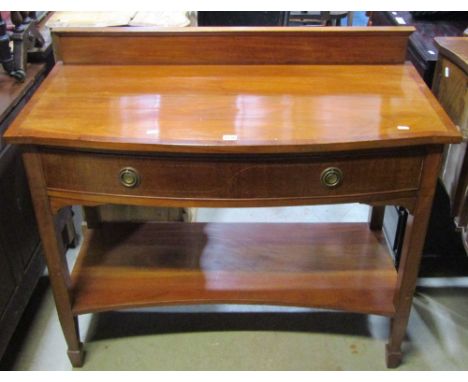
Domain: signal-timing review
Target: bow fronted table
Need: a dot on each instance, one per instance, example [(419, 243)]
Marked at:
[(233, 117)]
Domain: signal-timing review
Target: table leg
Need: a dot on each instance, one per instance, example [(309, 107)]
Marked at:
[(376, 216), (56, 262), (415, 235)]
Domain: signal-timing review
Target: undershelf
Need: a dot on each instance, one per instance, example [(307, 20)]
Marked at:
[(341, 266)]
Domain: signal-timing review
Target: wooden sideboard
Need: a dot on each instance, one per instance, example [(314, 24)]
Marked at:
[(450, 88), (21, 261), (422, 50), (234, 117), (443, 253)]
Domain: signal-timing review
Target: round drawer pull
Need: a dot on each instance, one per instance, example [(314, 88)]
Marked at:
[(331, 177), (129, 177)]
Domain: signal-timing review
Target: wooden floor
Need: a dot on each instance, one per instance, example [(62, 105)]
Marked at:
[(319, 265)]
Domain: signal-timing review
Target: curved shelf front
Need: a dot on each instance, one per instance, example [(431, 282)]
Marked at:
[(335, 266)]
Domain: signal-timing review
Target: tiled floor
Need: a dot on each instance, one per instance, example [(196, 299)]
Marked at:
[(236, 337)]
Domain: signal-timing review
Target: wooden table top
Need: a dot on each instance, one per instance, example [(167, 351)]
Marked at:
[(456, 48), (233, 108)]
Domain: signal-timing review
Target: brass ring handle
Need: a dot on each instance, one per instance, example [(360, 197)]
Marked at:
[(331, 177), (129, 177)]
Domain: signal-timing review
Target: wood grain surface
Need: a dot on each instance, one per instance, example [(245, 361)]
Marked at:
[(339, 266), (11, 90), (232, 45), (234, 119), (238, 178), (455, 49), (233, 109)]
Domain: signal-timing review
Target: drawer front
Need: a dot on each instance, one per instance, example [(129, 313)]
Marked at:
[(226, 177)]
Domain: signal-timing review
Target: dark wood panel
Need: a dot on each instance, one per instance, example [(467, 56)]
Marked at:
[(341, 266), (241, 18), (9, 223), (8, 281), (234, 177), (451, 88), (13, 94), (235, 45), (443, 253), (20, 297), (17, 214), (21, 262)]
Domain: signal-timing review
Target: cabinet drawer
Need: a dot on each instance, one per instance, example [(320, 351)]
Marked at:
[(231, 177)]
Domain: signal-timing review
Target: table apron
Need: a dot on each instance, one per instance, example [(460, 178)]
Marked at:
[(223, 180)]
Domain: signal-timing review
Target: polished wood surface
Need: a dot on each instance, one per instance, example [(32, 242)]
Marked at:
[(450, 86), (237, 179), (21, 260), (422, 50), (409, 263), (12, 93), (455, 49), (339, 266), (234, 135), (233, 109), (59, 274), (231, 45), (451, 89)]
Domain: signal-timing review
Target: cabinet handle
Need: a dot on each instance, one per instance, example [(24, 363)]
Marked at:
[(129, 177), (331, 177)]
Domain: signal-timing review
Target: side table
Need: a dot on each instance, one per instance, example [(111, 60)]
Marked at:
[(234, 117)]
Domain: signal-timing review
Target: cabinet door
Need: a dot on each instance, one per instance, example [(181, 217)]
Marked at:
[(17, 220), (450, 87), (8, 282)]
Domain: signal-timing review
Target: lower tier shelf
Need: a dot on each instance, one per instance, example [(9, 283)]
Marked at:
[(335, 266)]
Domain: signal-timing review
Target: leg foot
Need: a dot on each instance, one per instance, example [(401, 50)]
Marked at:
[(392, 357), (76, 356)]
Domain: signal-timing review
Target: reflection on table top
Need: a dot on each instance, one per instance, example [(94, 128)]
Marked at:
[(236, 108)]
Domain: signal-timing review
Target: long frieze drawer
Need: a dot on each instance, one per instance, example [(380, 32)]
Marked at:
[(233, 177)]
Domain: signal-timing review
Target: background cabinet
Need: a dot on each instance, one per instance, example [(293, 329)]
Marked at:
[(444, 253), (450, 87), (422, 51), (21, 263)]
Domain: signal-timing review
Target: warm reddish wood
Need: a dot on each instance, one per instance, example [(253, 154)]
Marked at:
[(339, 266), (455, 49), (60, 199), (201, 45), (415, 234), (451, 88), (12, 91), (239, 178), (235, 135), (233, 109), (56, 262)]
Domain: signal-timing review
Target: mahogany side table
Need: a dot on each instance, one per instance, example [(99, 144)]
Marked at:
[(233, 117)]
